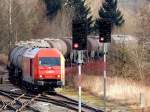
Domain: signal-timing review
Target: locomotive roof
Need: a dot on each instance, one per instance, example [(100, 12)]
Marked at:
[(32, 52)]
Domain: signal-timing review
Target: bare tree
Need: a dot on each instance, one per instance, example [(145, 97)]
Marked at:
[(24, 19), (144, 23), (128, 60)]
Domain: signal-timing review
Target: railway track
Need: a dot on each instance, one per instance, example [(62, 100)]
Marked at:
[(67, 100), (57, 99), (15, 103)]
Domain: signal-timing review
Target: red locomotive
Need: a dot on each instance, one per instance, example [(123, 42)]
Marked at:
[(37, 67)]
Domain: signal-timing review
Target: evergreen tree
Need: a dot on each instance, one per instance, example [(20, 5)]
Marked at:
[(81, 12), (52, 7), (110, 12)]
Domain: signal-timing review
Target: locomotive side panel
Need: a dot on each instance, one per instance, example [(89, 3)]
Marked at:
[(35, 68)]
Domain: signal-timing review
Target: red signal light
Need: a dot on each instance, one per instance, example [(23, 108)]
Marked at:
[(101, 39), (75, 45)]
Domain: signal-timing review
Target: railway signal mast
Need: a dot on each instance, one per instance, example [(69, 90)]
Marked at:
[(105, 31), (105, 27), (79, 44), (79, 34)]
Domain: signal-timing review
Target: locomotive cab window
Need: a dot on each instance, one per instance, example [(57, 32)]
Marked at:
[(49, 61)]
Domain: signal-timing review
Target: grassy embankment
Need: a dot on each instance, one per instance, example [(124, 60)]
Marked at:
[(120, 92)]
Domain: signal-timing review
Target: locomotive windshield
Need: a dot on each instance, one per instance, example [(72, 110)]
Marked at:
[(49, 61)]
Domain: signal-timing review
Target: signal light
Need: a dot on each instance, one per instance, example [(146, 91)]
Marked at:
[(101, 39), (79, 34), (76, 45), (105, 31)]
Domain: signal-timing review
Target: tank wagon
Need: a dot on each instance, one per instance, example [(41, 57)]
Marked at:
[(64, 45), (35, 67)]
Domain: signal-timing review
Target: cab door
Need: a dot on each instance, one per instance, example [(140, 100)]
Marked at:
[(31, 67)]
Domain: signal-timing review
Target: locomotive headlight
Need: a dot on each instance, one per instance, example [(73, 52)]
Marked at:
[(58, 76), (41, 76)]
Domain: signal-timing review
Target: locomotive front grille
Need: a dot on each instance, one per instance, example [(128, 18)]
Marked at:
[(53, 83)]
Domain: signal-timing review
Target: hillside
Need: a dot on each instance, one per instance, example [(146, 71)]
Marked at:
[(29, 19)]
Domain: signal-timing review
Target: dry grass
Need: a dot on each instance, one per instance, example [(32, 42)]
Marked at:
[(3, 59), (118, 89), (126, 92)]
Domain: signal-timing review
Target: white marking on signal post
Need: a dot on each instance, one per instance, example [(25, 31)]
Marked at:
[(105, 75), (80, 94), (80, 61)]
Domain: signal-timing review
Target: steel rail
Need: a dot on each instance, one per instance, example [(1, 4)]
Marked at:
[(2, 105), (62, 101), (52, 101), (76, 102), (16, 100), (27, 103), (44, 99)]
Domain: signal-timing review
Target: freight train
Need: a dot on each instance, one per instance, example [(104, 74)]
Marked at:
[(64, 45), (36, 68), (40, 63)]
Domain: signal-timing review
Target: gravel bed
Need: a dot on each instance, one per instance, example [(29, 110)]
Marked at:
[(47, 107)]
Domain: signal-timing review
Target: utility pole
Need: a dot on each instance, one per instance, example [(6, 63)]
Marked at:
[(10, 23)]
